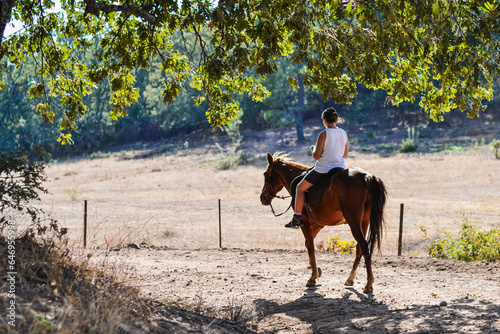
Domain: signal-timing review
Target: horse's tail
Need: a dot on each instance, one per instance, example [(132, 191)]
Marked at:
[(378, 195)]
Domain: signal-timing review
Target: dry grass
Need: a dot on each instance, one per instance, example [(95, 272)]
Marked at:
[(56, 291), (170, 200)]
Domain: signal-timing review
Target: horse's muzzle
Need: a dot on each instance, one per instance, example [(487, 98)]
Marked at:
[(265, 199)]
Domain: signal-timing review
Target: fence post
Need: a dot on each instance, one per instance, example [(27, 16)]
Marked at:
[(220, 228), (400, 241), (85, 224)]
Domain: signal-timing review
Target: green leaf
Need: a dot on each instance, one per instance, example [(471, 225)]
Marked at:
[(293, 83), (65, 139), (36, 90), (349, 7), (47, 114), (435, 9)]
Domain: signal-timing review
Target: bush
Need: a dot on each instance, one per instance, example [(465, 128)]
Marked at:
[(230, 159), (471, 245), (341, 246), (20, 182), (495, 147), (411, 143)]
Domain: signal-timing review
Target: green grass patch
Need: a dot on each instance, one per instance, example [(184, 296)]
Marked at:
[(371, 134), (453, 147), (356, 140)]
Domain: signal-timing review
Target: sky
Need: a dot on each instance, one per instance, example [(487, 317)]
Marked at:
[(14, 25)]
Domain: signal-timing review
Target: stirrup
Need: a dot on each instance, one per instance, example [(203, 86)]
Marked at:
[(295, 222)]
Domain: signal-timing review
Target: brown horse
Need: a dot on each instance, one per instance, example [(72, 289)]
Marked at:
[(353, 197)]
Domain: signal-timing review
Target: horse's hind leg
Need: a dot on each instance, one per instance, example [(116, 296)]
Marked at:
[(370, 279), (359, 232), (352, 276)]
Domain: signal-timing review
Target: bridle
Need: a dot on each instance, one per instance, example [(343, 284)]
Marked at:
[(275, 196)]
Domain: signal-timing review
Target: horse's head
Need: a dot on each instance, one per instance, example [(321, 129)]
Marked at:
[(273, 183)]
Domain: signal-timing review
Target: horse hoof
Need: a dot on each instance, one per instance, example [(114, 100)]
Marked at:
[(349, 283), (319, 272), (368, 289), (310, 283)]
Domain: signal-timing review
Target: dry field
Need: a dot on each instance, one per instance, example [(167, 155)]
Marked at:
[(171, 200), (168, 204)]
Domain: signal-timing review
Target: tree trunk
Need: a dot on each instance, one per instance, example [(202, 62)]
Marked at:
[(5, 15), (300, 109)]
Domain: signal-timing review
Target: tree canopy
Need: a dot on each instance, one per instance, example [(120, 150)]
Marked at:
[(442, 53)]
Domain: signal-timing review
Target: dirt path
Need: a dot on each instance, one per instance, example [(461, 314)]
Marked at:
[(267, 289)]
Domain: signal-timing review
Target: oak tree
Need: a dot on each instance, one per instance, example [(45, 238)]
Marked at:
[(442, 53)]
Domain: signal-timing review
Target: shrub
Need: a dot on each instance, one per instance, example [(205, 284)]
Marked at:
[(411, 143), (20, 183), (340, 246), (495, 147), (471, 245), (230, 159)]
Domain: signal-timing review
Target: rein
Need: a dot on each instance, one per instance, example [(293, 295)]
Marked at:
[(272, 209)]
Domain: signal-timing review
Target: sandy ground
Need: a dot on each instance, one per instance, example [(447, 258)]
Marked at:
[(168, 205), (266, 288)]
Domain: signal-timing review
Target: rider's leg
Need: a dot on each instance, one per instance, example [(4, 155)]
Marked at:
[(300, 197)]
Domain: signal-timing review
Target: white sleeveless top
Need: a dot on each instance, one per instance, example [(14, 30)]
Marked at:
[(333, 151)]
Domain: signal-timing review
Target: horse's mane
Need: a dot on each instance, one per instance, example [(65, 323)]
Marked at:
[(280, 156), (283, 157)]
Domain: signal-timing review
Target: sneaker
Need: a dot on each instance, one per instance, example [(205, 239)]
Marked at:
[(295, 222)]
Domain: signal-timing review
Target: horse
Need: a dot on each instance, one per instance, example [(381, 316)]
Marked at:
[(353, 197)]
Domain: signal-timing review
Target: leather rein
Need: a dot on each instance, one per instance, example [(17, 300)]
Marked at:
[(280, 197)]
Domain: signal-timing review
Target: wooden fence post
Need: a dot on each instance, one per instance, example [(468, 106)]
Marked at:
[(400, 241), (85, 224), (220, 227)]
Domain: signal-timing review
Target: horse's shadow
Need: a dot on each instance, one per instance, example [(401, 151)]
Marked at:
[(354, 311), (323, 313)]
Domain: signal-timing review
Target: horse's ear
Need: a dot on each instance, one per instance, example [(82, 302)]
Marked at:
[(269, 158)]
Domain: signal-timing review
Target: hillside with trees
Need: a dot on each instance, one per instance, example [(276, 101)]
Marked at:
[(96, 74)]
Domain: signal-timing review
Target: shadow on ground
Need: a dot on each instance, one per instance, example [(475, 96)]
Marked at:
[(355, 312)]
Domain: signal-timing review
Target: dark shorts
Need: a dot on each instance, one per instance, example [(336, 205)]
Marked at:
[(313, 176)]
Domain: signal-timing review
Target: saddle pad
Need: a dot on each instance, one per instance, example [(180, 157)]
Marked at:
[(315, 193)]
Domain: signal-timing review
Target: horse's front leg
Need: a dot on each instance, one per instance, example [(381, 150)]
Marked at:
[(310, 231)]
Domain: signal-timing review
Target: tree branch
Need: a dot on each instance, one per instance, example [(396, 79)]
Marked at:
[(95, 8)]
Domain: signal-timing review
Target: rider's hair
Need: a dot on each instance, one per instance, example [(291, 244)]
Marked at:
[(330, 115)]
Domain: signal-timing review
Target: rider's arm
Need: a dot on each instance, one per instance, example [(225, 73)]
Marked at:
[(320, 144), (346, 150)]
